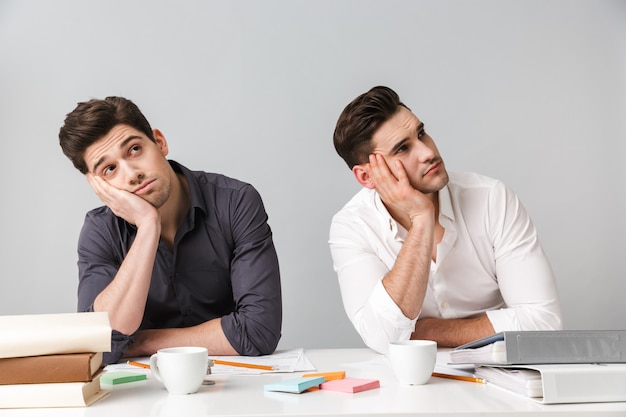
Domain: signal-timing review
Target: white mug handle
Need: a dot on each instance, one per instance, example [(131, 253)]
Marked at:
[(154, 368)]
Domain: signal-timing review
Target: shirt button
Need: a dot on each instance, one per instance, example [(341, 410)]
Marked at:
[(443, 304)]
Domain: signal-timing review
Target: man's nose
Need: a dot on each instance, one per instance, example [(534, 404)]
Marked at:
[(132, 173), (425, 152)]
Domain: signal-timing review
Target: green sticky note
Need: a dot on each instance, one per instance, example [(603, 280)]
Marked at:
[(120, 377)]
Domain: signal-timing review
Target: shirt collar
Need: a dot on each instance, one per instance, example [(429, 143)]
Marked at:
[(445, 203), (388, 222), (193, 182), (445, 209)]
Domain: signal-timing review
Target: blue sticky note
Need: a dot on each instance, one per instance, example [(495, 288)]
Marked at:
[(296, 385)]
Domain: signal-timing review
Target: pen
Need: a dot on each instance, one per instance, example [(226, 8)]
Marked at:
[(139, 364), (243, 365), (460, 377)]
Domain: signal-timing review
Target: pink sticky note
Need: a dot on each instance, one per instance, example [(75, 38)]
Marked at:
[(351, 385)]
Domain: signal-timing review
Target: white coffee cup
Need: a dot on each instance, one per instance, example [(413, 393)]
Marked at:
[(180, 369), (413, 361)]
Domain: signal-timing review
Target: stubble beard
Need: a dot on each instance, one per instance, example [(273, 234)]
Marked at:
[(433, 187)]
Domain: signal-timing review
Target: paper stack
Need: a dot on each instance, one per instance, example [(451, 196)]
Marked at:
[(52, 360)]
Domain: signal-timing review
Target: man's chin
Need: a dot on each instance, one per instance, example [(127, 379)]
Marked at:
[(434, 186), (155, 201)]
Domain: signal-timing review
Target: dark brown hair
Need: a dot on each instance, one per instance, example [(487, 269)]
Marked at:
[(359, 121), (93, 119)]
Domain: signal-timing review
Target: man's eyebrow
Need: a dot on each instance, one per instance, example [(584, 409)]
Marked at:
[(122, 145), (397, 146)]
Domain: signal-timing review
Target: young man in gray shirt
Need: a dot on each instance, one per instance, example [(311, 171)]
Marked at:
[(176, 257)]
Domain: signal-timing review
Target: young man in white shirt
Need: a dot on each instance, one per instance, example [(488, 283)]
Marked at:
[(423, 254)]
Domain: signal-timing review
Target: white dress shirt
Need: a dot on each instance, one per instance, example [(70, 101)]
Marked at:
[(489, 260)]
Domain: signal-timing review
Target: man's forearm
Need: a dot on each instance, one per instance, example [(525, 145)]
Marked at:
[(208, 334), (125, 297), (452, 332), (406, 282)]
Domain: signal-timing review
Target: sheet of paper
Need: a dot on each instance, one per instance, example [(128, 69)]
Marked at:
[(293, 360), (444, 366)]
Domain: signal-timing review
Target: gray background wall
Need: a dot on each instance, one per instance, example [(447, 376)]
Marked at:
[(531, 92)]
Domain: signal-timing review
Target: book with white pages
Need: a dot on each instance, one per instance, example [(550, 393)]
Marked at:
[(49, 334), (51, 395)]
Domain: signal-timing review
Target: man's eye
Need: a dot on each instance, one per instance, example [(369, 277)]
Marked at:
[(108, 170), (421, 134), (135, 149), (402, 149)]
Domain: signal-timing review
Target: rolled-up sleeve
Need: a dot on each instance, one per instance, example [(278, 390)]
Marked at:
[(254, 328), (524, 274), (374, 315)]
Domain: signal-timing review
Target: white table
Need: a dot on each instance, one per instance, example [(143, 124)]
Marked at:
[(243, 395)]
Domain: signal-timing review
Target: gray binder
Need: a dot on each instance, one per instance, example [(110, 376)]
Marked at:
[(545, 347)]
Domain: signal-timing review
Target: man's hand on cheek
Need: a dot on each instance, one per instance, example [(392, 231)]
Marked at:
[(401, 198), (394, 188), (381, 174), (123, 203)]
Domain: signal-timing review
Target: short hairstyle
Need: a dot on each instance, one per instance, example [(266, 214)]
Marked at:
[(93, 119), (359, 121)]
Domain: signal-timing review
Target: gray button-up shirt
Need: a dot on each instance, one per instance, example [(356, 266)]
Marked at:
[(223, 264)]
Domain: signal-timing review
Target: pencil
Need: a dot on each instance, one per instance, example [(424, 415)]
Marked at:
[(218, 362), (243, 365), (460, 377), (139, 364)]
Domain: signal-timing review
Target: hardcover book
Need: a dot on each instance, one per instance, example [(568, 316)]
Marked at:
[(70, 367), (62, 394), (47, 334)]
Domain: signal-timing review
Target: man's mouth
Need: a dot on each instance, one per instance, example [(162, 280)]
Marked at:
[(143, 188), (433, 168)]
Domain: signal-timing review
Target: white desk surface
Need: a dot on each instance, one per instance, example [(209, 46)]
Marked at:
[(243, 395)]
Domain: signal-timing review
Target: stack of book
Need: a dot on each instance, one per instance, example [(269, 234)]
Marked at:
[(552, 366), (52, 360)]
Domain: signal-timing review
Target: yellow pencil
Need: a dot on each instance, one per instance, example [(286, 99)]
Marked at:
[(218, 362), (460, 377), (243, 365), (139, 364)]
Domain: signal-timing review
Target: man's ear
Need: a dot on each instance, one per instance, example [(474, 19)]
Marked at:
[(160, 141), (361, 173)]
